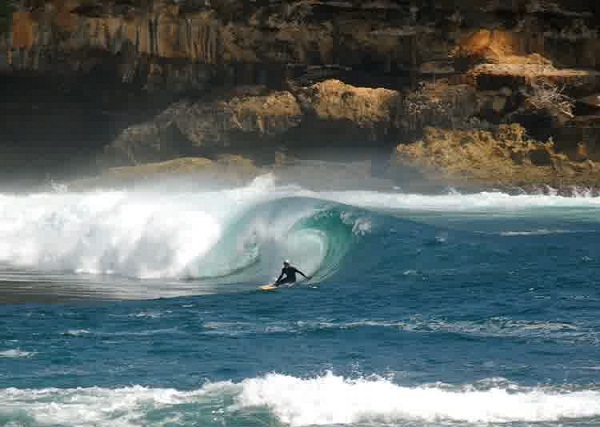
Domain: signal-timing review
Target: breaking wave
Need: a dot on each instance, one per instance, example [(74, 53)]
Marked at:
[(240, 234), (277, 399), (235, 235)]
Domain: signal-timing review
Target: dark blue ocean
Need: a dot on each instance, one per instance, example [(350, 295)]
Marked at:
[(140, 308)]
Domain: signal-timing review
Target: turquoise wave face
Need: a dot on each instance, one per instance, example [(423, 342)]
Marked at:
[(314, 235), (341, 227)]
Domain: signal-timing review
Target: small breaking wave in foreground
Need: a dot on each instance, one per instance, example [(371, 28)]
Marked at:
[(277, 399)]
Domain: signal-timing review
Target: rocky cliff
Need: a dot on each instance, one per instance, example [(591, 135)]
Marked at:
[(91, 84)]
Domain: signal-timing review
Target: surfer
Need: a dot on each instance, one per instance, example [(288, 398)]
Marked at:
[(290, 274)]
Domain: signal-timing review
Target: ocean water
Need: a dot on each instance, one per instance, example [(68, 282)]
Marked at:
[(140, 308)]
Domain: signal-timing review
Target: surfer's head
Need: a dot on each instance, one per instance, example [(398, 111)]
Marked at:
[(286, 263)]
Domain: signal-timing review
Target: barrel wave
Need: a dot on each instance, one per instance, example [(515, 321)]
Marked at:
[(314, 234), (185, 240), (203, 238)]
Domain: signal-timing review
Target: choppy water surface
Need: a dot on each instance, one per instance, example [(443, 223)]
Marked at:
[(140, 308)]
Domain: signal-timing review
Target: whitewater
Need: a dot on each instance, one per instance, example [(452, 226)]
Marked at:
[(139, 307)]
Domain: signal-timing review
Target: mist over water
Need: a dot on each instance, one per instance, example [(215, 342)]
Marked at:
[(139, 306)]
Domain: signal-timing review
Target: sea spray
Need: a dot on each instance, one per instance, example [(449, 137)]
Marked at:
[(238, 234)]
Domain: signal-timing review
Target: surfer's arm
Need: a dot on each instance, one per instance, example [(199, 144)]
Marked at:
[(280, 276), (301, 273)]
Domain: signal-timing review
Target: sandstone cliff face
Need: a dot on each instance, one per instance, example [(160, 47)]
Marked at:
[(254, 123), (389, 36), (365, 107), (164, 79), (240, 124)]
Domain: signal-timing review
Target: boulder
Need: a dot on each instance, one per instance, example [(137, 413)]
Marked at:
[(206, 128), (438, 103), (579, 139), (502, 159), (225, 169), (239, 122), (592, 101), (254, 123), (333, 100)]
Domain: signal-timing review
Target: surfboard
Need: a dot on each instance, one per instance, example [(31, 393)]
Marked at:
[(269, 287)]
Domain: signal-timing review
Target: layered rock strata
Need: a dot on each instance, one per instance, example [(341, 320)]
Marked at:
[(152, 81)]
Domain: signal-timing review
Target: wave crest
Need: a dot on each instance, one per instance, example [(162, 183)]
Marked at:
[(331, 399), (237, 235)]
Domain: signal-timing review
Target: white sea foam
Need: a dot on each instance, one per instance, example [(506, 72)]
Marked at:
[(455, 202), (323, 400), (77, 332), (150, 314), (149, 234), (540, 232), (122, 407), (103, 233), (16, 353), (332, 399)]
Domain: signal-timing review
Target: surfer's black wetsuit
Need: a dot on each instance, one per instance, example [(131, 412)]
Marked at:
[(290, 275)]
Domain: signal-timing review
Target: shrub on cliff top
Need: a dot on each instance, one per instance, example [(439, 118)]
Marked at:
[(548, 98)]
